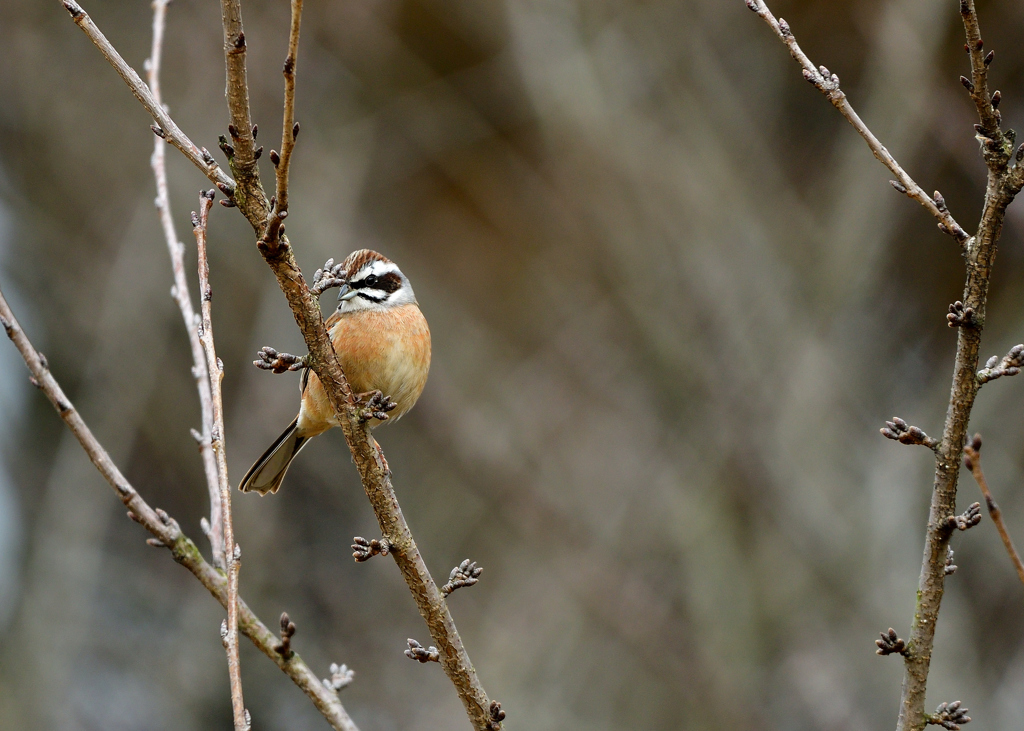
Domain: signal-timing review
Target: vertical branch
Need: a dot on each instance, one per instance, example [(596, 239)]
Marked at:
[(180, 292), (289, 131), (232, 552), (248, 193)]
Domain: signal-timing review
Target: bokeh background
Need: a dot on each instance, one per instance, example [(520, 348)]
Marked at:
[(672, 300)]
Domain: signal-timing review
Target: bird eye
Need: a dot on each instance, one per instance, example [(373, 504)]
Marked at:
[(371, 280)]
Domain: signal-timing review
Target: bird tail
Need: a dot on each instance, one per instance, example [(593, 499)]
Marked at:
[(268, 472)]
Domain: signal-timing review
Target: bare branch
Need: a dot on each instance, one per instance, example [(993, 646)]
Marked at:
[(232, 551), (996, 147), (180, 293), (167, 531), (248, 194), (828, 84), (289, 131), (972, 461), (168, 129)]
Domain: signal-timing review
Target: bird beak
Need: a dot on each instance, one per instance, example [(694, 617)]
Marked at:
[(346, 293)]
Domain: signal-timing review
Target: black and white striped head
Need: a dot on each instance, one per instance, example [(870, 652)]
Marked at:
[(373, 282)]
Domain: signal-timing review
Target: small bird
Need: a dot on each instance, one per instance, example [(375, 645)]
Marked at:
[(383, 343)]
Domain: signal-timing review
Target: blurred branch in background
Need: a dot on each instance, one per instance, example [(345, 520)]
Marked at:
[(972, 461), (1004, 183), (180, 293), (231, 549)]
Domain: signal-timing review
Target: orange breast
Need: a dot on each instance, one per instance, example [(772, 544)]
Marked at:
[(386, 351)]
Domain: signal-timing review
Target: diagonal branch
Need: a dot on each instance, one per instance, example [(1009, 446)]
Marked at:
[(167, 128), (232, 551), (828, 84), (289, 131), (167, 532), (972, 461), (181, 295)]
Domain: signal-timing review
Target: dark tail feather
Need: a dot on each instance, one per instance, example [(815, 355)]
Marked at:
[(268, 472)]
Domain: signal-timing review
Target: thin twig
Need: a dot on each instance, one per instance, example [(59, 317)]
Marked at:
[(166, 530), (167, 128), (828, 84), (180, 292), (248, 194), (978, 86), (289, 131), (232, 552), (972, 461)]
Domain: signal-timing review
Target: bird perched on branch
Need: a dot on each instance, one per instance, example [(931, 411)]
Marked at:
[(383, 343)]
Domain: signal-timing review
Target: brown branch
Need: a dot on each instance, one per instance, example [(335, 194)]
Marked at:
[(289, 132), (828, 84), (1002, 187), (167, 129), (366, 454), (168, 533), (248, 194), (968, 316), (180, 292), (232, 551), (977, 85), (972, 461), (376, 479)]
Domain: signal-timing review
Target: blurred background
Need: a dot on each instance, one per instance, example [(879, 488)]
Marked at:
[(672, 298)]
